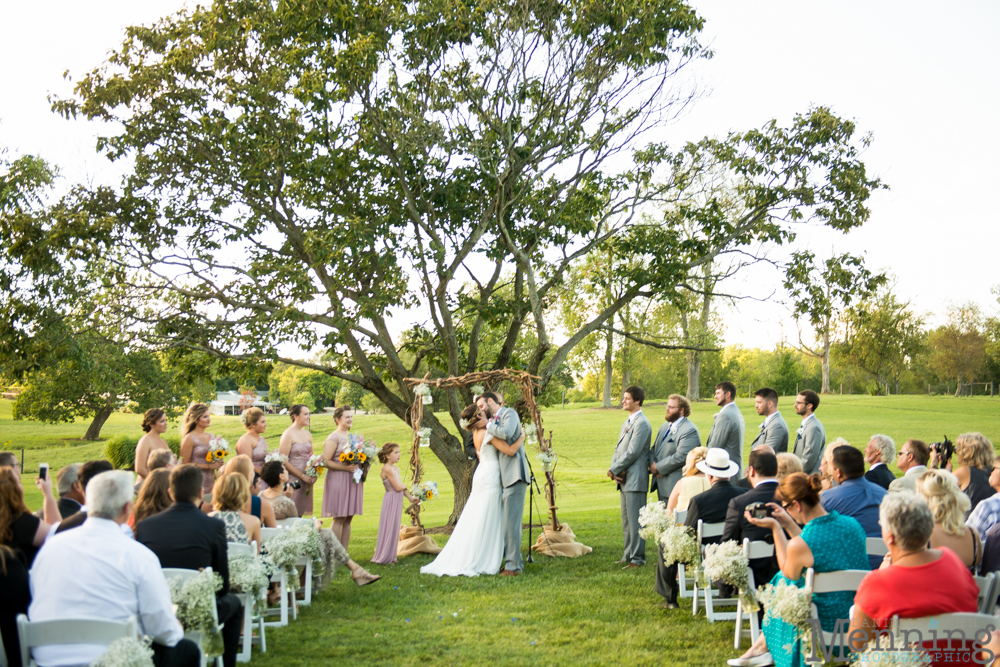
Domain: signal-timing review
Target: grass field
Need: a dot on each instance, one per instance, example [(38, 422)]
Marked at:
[(585, 611)]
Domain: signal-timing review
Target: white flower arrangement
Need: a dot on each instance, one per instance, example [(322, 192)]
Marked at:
[(275, 456), (728, 563), (422, 390), (302, 539), (248, 574), (679, 545), (549, 460), (477, 391), (463, 424), (787, 602), (653, 520), (195, 600), (126, 652), (424, 432), (529, 429)]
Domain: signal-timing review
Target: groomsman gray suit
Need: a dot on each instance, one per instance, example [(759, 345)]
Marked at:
[(773, 432), (727, 433), (670, 449), (810, 441), (514, 477), (631, 460)]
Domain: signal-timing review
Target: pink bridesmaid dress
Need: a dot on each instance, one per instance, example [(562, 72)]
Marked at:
[(298, 456), (388, 523), (198, 453), (342, 496), (257, 455)]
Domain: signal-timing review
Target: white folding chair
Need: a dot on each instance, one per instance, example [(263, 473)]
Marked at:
[(289, 522), (875, 546), (34, 634), (250, 619), (305, 564), (830, 582), (705, 530), (682, 580), (195, 635), (987, 593), (753, 550), (280, 578)]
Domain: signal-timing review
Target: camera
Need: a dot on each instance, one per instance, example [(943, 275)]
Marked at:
[(944, 450), (759, 510), (296, 485)]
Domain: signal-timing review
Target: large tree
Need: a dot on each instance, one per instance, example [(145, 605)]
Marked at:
[(958, 348), (315, 173), (883, 336)]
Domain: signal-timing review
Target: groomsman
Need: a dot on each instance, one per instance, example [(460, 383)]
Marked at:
[(774, 430), (630, 469), (729, 427), (677, 436), (810, 439)]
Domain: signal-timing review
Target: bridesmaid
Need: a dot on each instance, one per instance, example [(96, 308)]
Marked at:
[(297, 444), (154, 423), (194, 444), (342, 496), (392, 505), (252, 443)]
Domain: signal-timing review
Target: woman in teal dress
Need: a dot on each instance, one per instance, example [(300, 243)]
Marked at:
[(826, 542)]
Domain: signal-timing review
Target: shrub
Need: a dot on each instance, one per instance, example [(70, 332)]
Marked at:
[(120, 450)]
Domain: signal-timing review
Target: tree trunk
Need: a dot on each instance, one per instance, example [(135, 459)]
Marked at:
[(626, 379), (608, 369), (826, 359), (694, 375), (94, 431)]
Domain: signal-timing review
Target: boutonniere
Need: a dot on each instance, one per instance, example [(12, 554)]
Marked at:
[(801, 429)]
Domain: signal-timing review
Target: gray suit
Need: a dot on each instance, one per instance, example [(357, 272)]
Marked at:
[(514, 477), (669, 452), (631, 459), (773, 433), (727, 433), (810, 440)]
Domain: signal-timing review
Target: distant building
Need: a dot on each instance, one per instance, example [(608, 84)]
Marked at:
[(228, 403)]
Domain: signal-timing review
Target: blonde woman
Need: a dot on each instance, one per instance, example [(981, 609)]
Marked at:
[(229, 496), (194, 443), (256, 506), (949, 505), (252, 443), (975, 456), (691, 484), (787, 464)]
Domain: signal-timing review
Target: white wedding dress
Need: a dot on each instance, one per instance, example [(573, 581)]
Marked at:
[(476, 545)]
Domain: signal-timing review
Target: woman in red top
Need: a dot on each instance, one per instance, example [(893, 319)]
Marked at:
[(914, 581)]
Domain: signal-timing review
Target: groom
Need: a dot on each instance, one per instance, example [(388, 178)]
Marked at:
[(514, 477)]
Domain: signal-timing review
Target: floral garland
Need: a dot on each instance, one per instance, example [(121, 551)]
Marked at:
[(653, 520), (728, 563), (248, 573), (126, 652), (195, 600)]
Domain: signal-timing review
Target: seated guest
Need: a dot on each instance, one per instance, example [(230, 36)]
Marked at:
[(975, 455), (787, 464), (21, 530), (88, 471), (949, 506), (744, 482), (762, 470), (826, 542), (912, 460), (154, 497), (711, 506), (274, 476), (96, 572), (69, 489), (691, 484), (14, 599), (915, 581), (879, 453), (229, 497), (854, 495), (159, 459), (184, 537), (991, 551), (826, 463), (985, 516), (255, 506), (995, 474)]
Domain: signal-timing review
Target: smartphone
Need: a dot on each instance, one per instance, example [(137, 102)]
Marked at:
[(43, 470)]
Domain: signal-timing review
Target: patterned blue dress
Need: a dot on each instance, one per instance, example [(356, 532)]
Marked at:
[(837, 542)]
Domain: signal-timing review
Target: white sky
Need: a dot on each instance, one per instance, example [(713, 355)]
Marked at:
[(921, 76)]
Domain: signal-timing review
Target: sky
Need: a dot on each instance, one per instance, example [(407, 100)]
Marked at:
[(920, 76)]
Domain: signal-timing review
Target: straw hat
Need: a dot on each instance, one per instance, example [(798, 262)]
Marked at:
[(717, 464)]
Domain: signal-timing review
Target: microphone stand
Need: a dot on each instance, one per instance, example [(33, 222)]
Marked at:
[(532, 485)]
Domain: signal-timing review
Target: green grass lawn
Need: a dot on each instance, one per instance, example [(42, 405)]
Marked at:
[(584, 611)]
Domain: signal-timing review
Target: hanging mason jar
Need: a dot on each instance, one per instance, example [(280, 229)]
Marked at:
[(425, 442), (532, 439), (426, 399)]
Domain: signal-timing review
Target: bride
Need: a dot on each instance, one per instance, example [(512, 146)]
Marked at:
[(476, 545)]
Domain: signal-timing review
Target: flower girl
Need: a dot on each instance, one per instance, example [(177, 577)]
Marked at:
[(392, 505)]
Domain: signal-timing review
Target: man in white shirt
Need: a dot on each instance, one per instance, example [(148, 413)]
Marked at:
[(95, 571), (912, 460)]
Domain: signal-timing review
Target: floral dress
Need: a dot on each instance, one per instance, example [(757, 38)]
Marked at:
[(235, 530)]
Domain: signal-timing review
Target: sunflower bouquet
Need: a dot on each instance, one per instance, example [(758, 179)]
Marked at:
[(425, 491), (218, 449), (314, 466), (354, 454)]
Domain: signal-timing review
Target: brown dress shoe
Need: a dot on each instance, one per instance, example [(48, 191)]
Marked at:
[(509, 573)]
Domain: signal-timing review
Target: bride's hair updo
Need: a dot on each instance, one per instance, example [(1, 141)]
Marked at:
[(471, 416)]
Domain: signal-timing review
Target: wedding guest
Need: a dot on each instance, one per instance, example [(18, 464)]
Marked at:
[(944, 583), (975, 459), (256, 506), (69, 489), (183, 536), (729, 427), (252, 443), (392, 505), (674, 440), (879, 453), (97, 572), (88, 471), (153, 498), (14, 599), (773, 430), (274, 476), (630, 472), (853, 495), (161, 459), (762, 471), (154, 424), (995, 474), (826, 463), (229, 497), (949, 506), (195, 446), (342, 496), (744, 482), (810, 438), (984, 517), (296, 445), (21, 530), (824, 541), (9, 460), (692, 483), (912, 460), (787, 464)]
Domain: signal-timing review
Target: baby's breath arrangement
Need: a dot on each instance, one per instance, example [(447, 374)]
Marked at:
[(680, 546), (302, 539), (549, 460), (726, 562), (248, 574), (195, 600), (275, 456), (787, 602), (653, 520), (126, 652)]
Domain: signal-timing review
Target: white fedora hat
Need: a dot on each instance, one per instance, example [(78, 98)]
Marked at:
[(717, 464)]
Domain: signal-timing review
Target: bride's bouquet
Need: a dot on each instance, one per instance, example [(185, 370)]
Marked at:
[(425, 491), (218, 449)]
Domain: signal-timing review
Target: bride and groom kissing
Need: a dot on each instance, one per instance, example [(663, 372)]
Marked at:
[(489, 530)]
